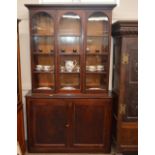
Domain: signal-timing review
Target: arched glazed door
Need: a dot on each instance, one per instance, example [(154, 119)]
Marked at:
[(43, 52), (69, 50), (97, 52)]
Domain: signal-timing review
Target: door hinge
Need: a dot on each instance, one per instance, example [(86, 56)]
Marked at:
[(122, 109), (125, 58)]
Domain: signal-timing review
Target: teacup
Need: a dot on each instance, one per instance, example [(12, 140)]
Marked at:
[(99, 67), (70, 65), (47, 68), (91, 68), (39, 67)]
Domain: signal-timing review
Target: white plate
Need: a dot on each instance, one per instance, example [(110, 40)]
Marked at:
[(94, 88), (44, 88), (68, 88)]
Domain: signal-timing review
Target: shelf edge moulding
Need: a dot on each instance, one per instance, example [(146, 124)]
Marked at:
[(80, 1)]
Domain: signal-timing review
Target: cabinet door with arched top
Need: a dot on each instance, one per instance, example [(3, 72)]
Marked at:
[(97, 52), (43, 52), (69, 51)]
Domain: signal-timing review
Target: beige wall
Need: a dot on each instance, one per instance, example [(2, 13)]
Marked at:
[(127, 10)]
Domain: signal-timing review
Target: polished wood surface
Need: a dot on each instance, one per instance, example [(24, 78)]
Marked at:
[(125, 86)]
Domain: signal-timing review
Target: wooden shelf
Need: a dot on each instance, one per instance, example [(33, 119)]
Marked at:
[(69, 35), (100, 54), (104, 35), (43, 72), (42, 35), (41, 53), (70, 72), (96, 72), (69, 54)]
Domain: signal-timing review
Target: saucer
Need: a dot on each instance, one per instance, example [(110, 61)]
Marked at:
[(38, 69)]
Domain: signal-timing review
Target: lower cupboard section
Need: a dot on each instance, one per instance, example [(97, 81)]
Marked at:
[(69, 125)]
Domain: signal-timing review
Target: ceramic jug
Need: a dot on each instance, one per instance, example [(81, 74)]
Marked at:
[(70, 65)]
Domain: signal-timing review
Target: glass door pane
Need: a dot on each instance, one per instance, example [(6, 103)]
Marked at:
[(43, 54), (97, 55), (69, 51)]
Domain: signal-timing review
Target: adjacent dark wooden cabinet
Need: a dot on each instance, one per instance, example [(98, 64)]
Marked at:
[(20, 118), (69, 108), (125, 85)]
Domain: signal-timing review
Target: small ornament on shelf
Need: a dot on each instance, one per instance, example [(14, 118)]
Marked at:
[(51, 51), (63, 50), (40, 51), (97, 51), (39, 67), (74, 50)]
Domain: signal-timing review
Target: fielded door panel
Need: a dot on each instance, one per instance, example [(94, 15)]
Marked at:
[(48, 119), (91, 119)]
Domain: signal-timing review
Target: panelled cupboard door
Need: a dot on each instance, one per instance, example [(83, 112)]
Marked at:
[(47, 123), (130, 46), (91, 119)]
